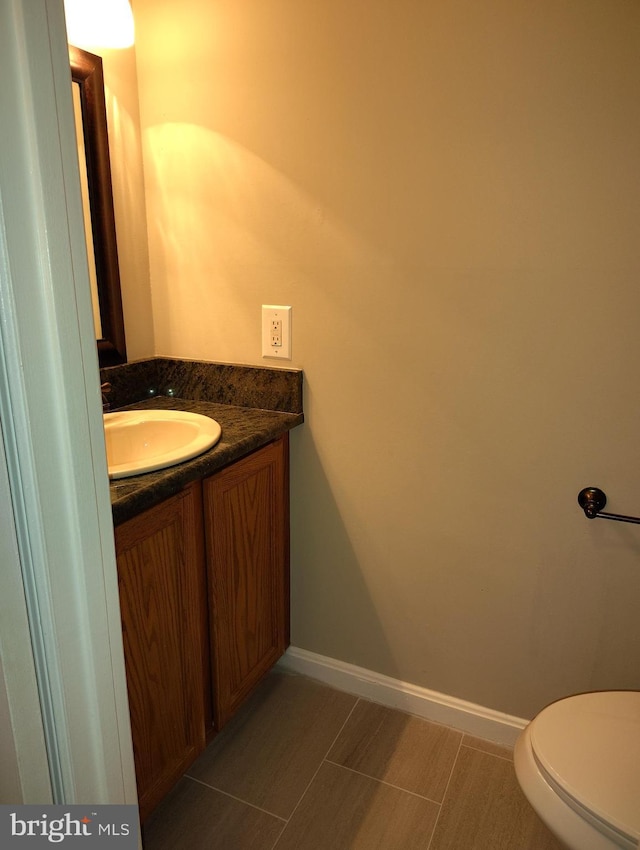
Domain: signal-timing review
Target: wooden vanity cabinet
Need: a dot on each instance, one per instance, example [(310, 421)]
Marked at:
[(161, 579), (204, 597), (246, 508)]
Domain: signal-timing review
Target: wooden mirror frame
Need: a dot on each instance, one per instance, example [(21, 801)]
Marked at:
[(86, 70)]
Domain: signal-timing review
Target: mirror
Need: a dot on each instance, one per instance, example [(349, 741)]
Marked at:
[(91, 119)]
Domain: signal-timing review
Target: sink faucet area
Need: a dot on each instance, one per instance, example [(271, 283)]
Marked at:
[(140, 441), (252, 405)]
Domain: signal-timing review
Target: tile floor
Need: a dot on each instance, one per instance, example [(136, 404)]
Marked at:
[(306, 767)]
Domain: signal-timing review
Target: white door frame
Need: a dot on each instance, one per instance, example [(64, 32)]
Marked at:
[(25, 771), (56, 478)]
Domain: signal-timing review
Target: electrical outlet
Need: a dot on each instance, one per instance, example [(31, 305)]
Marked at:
[(276, 332)]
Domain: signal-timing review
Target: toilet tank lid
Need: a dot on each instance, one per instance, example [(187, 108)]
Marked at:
[(589, 745)]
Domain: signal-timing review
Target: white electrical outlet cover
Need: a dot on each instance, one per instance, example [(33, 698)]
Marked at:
[(272, 313)]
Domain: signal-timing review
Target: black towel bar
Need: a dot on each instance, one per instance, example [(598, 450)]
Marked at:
[(592, 500)]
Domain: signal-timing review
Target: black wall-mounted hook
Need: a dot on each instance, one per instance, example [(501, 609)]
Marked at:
[(592, 500)]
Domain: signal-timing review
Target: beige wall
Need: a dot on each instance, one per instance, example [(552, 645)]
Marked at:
[(447, 195)]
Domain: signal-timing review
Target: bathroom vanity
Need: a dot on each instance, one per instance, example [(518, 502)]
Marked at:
[(203, 569)]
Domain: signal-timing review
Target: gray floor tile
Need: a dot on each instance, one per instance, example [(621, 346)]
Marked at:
[(344, 810), (484, 809), (269, 752), (401, 749), (194, 817), (488, 747)]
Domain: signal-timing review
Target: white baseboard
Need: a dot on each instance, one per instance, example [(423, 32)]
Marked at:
[(431, 705)]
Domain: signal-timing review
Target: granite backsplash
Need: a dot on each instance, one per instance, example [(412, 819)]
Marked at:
[(222, 383)]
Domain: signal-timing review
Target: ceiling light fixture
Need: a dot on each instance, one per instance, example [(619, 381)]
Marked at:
[(99, 23)]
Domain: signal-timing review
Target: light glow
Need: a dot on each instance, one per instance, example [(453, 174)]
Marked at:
[(99, 23)]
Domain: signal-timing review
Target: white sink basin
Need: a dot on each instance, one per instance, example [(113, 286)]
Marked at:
[(144, 440)]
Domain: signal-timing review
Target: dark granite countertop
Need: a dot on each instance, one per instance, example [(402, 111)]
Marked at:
[(244, 429)]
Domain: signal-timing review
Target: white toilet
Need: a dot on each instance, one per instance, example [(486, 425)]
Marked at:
[(578, 764)]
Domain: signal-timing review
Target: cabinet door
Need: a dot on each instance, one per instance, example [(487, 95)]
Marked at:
[(247, 537), (162, 585)]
